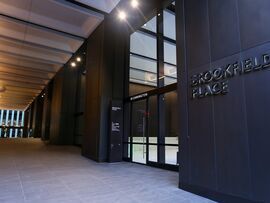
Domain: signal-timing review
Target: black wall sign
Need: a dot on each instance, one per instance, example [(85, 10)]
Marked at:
[(116, 131)]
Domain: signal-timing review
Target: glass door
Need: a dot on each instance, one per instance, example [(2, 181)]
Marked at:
[(139, 131), (151, 129)]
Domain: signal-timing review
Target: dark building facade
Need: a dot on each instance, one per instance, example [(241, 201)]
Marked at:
[(224, 138), (219, 105)]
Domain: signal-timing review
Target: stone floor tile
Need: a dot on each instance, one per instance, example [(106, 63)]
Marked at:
[(33, 172)]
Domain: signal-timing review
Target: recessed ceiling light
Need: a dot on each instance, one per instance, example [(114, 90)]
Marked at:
[(134, 3), (2, 88), (78, 59), (122, 15), (73, 64)]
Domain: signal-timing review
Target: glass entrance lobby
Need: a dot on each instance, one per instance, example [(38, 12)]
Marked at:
[(151, 104)]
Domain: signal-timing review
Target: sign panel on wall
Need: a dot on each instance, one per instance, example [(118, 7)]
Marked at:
[(216, 81)]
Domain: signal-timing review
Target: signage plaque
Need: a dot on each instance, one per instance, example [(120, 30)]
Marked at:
[(216, 81)]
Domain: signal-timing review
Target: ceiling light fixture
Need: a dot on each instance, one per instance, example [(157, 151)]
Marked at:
[(122, 15), (73, 64), (78, 59), (2, 88), (134, 3)]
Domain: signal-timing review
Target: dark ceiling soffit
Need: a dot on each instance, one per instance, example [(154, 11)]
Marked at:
[(90, 8), (44, 27)]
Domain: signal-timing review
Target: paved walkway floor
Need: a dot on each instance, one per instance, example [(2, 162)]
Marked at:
[(31, 171)]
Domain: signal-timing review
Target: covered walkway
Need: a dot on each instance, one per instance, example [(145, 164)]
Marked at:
[(31, 171)]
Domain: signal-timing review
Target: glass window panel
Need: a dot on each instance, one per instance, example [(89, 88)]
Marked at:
[(143, 44), (153, 119), (171, 155), (139, 121), (9, 118), (143, 63), (170, 70), (151, 25), (171, 118), (135, 88), (169, 24), (169, 80), (143, 77), (152, 153), (139, 153), (169, 53)]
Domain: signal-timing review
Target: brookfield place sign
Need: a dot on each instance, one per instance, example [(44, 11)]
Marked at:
[(215, 82)]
